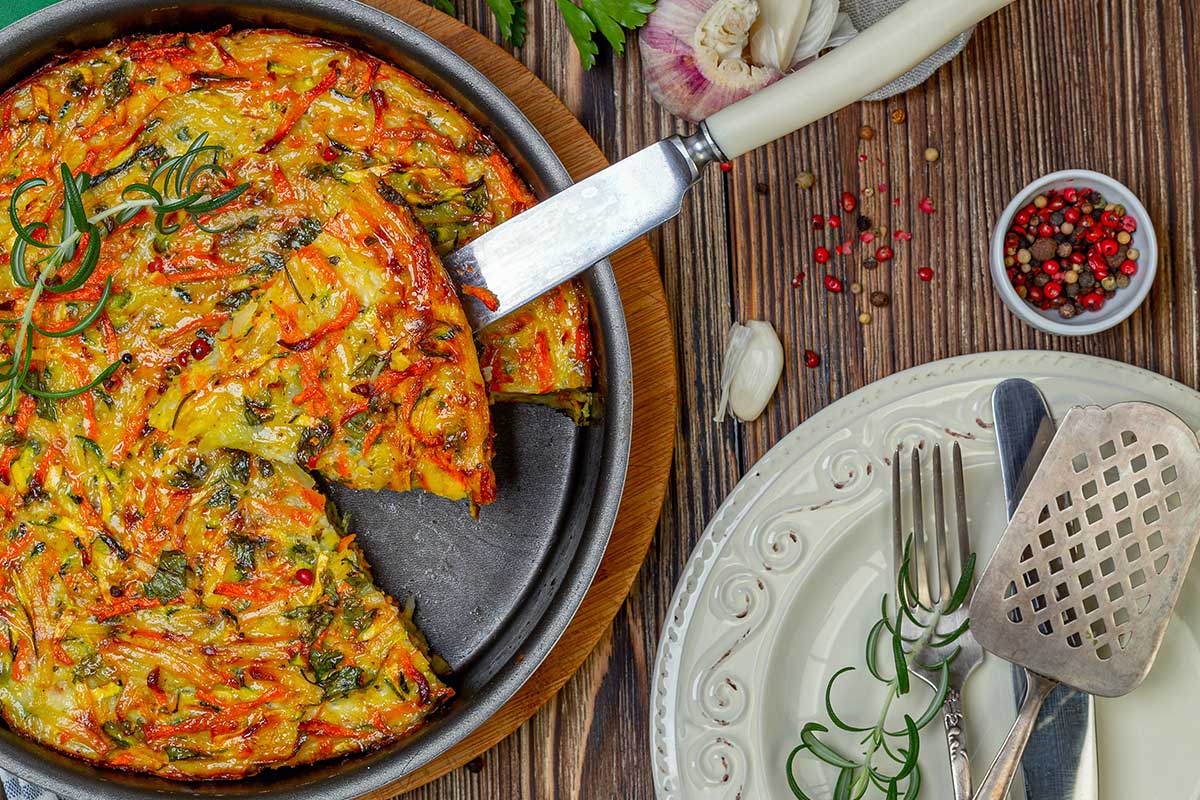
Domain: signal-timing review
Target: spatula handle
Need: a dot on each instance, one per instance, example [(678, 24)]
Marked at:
[(1000, 774), (877, 56)]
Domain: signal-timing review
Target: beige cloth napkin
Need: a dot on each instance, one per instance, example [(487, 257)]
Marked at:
[(864, 13)]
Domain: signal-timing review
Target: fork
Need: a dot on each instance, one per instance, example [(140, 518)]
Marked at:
[(970, 653)]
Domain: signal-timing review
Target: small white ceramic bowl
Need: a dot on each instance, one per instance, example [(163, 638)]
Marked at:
[(1127, 300)]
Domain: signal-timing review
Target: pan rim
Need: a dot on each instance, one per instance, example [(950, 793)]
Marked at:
[(25, 44)]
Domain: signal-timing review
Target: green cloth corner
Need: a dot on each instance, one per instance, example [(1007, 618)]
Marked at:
[(13, 10)]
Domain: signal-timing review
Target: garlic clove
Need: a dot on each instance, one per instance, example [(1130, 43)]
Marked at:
[(693, 55), (753, 364), (779, 28), (823, 20)]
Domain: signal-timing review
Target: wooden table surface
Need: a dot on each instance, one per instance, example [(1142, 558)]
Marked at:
[(1098, 84)]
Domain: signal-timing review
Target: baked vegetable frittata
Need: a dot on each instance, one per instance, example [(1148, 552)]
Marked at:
[(175, 595)]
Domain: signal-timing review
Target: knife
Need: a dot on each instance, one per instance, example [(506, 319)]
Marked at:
[(565, 234), (1060, 761)]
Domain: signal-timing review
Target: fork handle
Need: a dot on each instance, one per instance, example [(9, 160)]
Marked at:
[(1000, 775), (956, 744)]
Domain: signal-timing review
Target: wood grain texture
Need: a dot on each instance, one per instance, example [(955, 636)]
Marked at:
[(1101, 84)]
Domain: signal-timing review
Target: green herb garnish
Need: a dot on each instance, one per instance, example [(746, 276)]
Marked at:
[(170, 579), (610, 18), (170, 189), (900, 745)]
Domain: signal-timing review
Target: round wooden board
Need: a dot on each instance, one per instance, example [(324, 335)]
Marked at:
[(654, 394)]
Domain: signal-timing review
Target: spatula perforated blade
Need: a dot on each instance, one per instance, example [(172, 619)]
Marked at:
[(1082, 584)]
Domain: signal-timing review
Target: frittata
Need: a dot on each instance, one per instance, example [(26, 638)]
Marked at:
[(175, 595)]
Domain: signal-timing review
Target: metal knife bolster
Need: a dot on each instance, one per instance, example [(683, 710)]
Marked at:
[(1060, 761), (568, 232)]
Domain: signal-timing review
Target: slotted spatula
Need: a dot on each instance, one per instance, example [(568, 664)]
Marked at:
[(1084, 579)]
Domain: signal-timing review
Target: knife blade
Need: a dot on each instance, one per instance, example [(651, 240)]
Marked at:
[(565, 234), (1060, 761)]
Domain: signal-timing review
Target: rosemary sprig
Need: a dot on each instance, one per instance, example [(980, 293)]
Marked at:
[(170, 189), (900, 745)]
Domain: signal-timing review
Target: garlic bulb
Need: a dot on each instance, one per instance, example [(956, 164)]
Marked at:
[(698, 56), (774, 36), (692, 55), (753, 364)]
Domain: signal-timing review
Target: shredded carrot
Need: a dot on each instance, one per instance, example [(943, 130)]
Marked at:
[(344, 542), (10, 553), (583, 348), (179, 85), (92, 288), (544, 367), (283, 510), (512, 184), (187, 331), (214, 722), (124, 605), (115, 117), (483, 295), (159, 52), (310, 374), (205, 696), (189, 265), (379, 105), (418, 133), (109, 333), (25, 409), (312, 497), (122, 758), (356, 409), (241, 590), (371, 436), (316, 727), (61, 655), (298, 108), (133, 432), (345, 315), (283, 187)]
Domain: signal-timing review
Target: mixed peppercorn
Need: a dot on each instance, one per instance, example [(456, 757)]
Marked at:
[(1070, 250)]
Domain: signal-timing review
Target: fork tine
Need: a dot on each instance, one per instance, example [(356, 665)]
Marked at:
[(897, 517), (921, 577), (960, 509), (939, 527)]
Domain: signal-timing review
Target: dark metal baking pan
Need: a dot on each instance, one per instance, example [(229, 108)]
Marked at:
[(494, 594)]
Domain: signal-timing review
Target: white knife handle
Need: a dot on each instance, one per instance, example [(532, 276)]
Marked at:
[(874, 58)]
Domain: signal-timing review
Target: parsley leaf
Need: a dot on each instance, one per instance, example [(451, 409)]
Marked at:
[(323, 663), (511, 16), (243, 548), (169, 579), (445, 6), (610, 17), (341, 682)]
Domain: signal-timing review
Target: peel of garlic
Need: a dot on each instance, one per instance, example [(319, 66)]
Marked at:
[(753, 364), (699, 56), (778, 28), (693, 55), (825, 19)]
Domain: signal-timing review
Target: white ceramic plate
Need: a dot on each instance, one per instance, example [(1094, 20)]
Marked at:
[(785, 582)]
